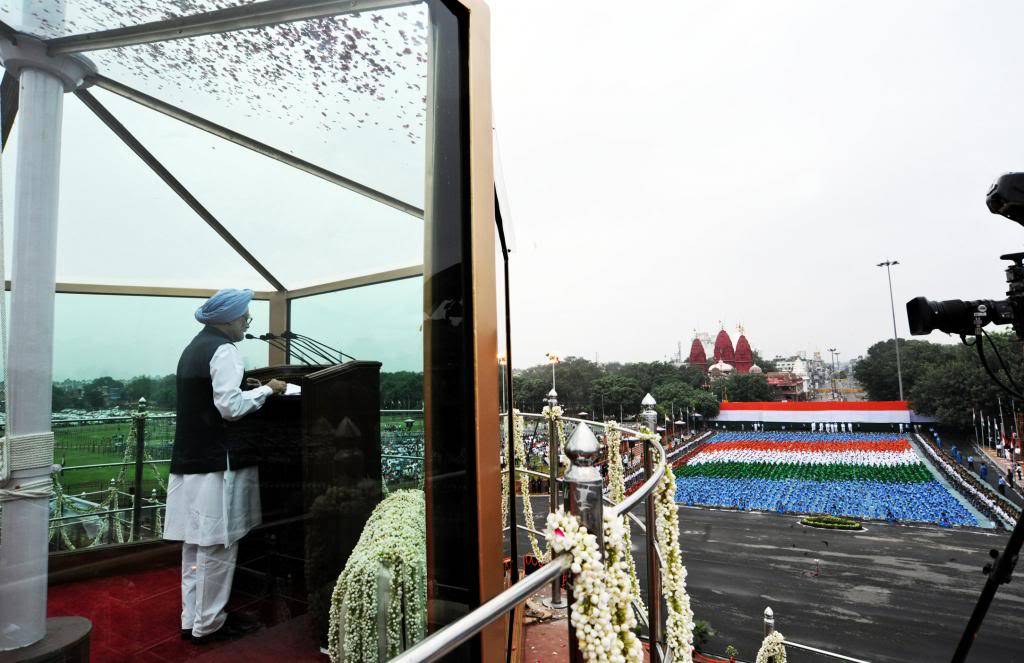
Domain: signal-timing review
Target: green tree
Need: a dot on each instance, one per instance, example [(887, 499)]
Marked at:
[(617, 393), (765, 364), (62, 399), (876, 372), (139, 387), (744, 388), (400, 390), (92, 397), (165, 393)]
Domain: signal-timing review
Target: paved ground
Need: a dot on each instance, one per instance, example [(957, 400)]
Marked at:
[(890, 594)]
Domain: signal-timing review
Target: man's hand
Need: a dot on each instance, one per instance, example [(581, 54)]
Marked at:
[(277, 385), (252, 383)]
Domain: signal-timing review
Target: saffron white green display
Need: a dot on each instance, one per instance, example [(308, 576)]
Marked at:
[(861, 475)]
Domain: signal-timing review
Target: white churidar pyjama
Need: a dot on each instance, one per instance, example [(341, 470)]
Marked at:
[(210, 512)]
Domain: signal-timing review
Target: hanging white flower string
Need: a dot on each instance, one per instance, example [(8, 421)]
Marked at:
[(679, 620), (620, 589), (524, 486), (617, 493), (594, 608), (772, 649)]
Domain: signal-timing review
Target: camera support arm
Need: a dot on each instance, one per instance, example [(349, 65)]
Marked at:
[(999, 571)]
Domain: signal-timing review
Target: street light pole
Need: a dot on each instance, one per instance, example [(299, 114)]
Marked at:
[(832, 354), (888, 264)]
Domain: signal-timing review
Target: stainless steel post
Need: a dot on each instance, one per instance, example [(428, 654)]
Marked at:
[(653, 566), (583, 499), (557, 601), (769, 626), (140, 450)]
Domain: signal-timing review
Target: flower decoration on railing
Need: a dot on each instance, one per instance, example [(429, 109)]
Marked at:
[(617, 493), (679, 622), (773, 649), (378, 607), (524, 482), (554, 413), (600, 610)]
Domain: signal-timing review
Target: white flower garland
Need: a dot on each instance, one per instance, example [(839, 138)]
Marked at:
[(389, 563), (505, 479), (554, 413), (600, 608), (772, 646), (618, 564), (617, 493), (679, 621), (524, 484)]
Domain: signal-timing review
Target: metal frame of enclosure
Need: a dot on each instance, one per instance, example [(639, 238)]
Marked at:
[(38, 73)]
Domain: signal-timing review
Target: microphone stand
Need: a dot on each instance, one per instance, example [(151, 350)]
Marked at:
[(323, 345), (269, 339), (309, 347), (293, 349)]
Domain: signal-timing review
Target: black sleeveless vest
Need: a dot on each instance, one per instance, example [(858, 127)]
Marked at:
[(202, 440)]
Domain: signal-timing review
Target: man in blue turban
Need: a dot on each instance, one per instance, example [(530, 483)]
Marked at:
[(213, 496)]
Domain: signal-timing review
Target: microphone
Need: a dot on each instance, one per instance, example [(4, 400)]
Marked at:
[(321, 344), (301, 353), (270, 339), (310, 347)]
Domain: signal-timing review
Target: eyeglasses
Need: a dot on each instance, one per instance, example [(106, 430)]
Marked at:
[(248, 320)]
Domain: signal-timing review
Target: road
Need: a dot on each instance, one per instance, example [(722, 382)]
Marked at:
[(891, 593)]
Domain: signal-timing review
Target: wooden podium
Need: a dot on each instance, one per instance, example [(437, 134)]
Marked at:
[(320, 477)]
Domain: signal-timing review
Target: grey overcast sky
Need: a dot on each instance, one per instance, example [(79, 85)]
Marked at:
[(673, 164), (670, 165)]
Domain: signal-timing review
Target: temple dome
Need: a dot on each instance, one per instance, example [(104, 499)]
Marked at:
[(755, 369), (721, 368), (723, 347), (697, 355), (744, 358)]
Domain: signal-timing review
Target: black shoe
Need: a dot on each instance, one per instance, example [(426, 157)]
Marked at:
[(186, 634), (235, 626)]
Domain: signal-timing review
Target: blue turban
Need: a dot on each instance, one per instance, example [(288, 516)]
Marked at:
[(225, 306)]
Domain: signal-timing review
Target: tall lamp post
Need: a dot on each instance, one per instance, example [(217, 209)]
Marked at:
[(832, 353), (888, 264), (552, 359)]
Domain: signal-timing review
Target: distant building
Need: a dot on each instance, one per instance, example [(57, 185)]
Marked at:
[(721, 358)]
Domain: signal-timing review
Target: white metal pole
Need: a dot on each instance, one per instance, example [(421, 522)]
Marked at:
[(23, 556)]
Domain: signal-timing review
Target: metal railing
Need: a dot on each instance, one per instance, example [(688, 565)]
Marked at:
[(585, 502), (769, 627)]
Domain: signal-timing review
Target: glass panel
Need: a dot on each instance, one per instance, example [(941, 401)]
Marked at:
[(346, 93)]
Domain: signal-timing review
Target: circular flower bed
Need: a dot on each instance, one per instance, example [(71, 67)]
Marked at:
[(831, 522)]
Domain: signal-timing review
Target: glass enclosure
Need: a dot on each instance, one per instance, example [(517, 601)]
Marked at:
[(324, 163)]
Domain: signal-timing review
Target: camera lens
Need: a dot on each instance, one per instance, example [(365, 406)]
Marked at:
[(955, 316), (922, 315)]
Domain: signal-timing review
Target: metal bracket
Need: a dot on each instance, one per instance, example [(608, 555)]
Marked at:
[(30, 53)]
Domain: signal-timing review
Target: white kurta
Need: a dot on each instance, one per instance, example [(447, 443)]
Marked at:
[(218, 508)]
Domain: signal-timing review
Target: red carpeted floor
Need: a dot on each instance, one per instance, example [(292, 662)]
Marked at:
[(136, 617)]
